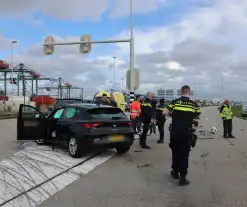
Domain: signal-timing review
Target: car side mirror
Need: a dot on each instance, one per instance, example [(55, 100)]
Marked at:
[(37, 116)]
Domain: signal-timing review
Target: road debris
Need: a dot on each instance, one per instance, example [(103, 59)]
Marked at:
[(145, 165), (137, 150), (205, 154)]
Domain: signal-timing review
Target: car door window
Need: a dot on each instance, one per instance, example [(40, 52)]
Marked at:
[(58, 114), (29, 112), (69, 113)]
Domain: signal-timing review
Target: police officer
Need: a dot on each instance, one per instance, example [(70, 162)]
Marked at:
[(160, 119), (227, 115), (183, 111), (146, 116)]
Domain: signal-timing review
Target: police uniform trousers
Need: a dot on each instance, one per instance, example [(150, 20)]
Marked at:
[(180, 146), (146, 124), (136, 124), (227, 127), (161, 126)]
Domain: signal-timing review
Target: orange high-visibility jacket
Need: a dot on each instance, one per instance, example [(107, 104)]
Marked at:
[(135, 109)]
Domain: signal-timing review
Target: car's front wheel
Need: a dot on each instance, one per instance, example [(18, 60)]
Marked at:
[(122, 149), (75, 150)]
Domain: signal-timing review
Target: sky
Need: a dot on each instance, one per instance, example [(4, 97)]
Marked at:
[(201, 43)]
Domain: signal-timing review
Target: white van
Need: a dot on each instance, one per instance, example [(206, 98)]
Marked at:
[(244, 109)]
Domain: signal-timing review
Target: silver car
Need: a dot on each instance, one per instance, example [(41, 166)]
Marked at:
[(244, 109)]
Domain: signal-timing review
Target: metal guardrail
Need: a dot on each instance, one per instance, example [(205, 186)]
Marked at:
[(8, 116)]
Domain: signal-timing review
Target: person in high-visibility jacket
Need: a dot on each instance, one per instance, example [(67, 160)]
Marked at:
[(135, 111), (227, 116)]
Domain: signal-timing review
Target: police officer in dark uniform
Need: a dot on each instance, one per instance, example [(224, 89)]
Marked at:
[(183, 111), (146, 116), (160, 120)]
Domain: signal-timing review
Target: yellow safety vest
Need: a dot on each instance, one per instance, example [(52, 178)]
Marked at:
[(226, 112)]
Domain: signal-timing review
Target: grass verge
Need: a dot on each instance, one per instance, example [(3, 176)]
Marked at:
[(237, 111)]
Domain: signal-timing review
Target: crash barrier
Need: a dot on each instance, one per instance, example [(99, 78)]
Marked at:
[(8, 116)]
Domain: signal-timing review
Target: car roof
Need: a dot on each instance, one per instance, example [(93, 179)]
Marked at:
[(89, 106)]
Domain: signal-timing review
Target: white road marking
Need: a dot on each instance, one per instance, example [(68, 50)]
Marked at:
[(33, 166)]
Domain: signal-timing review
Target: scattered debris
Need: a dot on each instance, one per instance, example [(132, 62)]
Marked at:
[(242, 129), (214, 129), (204, 154), (137, 150), (146, 165)]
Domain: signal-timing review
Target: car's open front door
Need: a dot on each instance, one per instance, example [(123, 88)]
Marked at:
[(31, 123)]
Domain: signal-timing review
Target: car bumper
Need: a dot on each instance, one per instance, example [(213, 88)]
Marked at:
[(108, 140)]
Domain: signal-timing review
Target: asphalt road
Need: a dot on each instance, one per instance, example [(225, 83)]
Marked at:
[(8, 143), (218, 169), (218, 174)]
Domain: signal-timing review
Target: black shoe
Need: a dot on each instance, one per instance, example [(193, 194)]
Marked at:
[(225, 136), (146, 147), (160, 141), (175, 175), (231, 136), (183, 181)]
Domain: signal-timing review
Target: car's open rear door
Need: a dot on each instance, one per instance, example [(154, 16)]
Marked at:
[(31, 123)]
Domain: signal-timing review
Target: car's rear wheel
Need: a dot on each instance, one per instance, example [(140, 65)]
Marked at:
[(122, 149), (75, 150)]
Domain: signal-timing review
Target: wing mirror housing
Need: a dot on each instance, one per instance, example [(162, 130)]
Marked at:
[(37, 116)]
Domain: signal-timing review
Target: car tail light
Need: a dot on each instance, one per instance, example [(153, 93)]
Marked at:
[(90, 125), (130, 123), (96, 124)]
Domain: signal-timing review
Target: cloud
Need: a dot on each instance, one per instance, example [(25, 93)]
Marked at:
[(5, 43), (78, 10), (121, 8), (203, 46)]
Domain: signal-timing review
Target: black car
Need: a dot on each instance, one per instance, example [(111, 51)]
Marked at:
[(79, 126), (63, 102)]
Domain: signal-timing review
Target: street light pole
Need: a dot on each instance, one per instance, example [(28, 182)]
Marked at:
[(114, 68), (12, 71), (132, 93), (222, 88)]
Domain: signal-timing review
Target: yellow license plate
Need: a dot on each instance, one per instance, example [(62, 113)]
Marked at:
[(116, 138)]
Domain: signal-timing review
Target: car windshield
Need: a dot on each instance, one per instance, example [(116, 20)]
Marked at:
[(107, 113), (66, 102)]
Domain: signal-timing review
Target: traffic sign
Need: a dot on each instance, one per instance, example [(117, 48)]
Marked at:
[(85, 47), (136, 79), (49, 49)]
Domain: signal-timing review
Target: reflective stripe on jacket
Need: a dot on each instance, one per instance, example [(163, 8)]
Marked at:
[(226, 112), (147, 111)]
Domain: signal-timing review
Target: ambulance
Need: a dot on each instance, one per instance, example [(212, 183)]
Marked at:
[(118, 96)]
